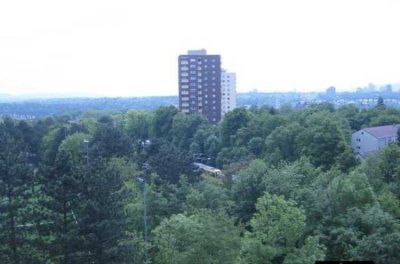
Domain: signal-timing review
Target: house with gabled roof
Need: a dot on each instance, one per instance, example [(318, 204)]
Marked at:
[(369, 140)]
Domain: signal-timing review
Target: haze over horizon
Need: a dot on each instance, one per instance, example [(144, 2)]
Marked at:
[(129, 48)]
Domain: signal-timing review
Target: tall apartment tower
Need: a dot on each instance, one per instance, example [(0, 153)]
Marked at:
[(228, 90), (200, 84)]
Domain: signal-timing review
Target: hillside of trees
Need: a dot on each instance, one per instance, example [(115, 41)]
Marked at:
[(291, 192), (76, 106), (30, 108)]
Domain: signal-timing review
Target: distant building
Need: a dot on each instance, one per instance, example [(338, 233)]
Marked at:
[(331, 91), (200, 84), (371, 87), (369, 140), (228, 90), (386, 89)]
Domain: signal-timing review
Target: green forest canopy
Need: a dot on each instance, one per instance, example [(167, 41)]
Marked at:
[(292, 189)]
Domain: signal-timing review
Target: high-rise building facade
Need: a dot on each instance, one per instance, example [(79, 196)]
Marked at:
[(228, 92), (200, 84)]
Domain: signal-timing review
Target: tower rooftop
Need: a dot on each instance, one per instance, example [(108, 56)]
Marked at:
[(197, 52)]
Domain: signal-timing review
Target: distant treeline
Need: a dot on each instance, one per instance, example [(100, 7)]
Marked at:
[(47, 107), (75, 106)]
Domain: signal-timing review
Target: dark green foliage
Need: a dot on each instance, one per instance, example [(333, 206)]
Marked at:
[(162, 121), (137, 125), (256, 146), (203, 237), (184, 127), (211, 148), (374, 235), (109, 140), (16, 178), (348, 191), (102, 219), (385, 116), (28, 136), (230, 155), (248, 186), (322, 140), (351, 115), (210, 193), (206, 142), (327, 107), (291, 189), (346, 161), (50, 145), (276, 234), (232, 122), (369, 117), (62, 186), (60, 213), (383, 170), (169, 162), (282, 143)]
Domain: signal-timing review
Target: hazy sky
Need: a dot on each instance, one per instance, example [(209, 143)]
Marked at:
[(130, 48)]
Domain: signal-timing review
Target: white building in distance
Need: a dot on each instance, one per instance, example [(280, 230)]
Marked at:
[(228, 91), (369, 140)]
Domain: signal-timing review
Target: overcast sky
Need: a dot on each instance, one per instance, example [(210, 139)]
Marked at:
[(130, 48)]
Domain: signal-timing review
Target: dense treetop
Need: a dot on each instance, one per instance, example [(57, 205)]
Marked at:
[(72, 190)]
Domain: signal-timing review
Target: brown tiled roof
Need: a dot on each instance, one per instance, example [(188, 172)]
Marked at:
[(383, 131)]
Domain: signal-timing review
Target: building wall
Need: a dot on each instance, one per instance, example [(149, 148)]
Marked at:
[(366, 144), (228, 90), (384, 141), (200, 84)]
